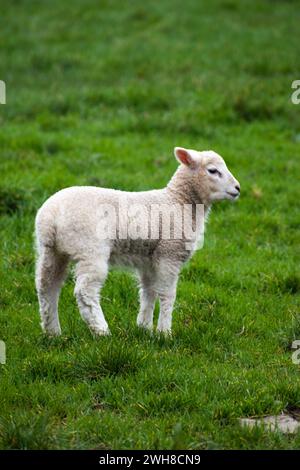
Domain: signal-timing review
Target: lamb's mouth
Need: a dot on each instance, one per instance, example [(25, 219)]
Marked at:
[(233, 195)]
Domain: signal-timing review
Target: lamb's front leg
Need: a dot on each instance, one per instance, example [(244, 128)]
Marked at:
[(147, 302), (167, 295), (148, 297), (166, 301)]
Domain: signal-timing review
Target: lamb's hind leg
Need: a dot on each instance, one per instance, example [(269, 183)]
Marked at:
[(90, 277), (50, 275)]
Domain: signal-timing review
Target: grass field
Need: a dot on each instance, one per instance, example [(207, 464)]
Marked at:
[(99, 93)]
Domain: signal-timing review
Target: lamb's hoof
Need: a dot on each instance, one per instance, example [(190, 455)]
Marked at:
[(51, 332), (101, 332), (145, 327), (164, 333)]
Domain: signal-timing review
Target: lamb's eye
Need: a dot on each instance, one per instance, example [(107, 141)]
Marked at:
[(214, 171)]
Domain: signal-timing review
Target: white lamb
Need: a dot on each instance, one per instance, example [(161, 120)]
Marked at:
[(68, 228)]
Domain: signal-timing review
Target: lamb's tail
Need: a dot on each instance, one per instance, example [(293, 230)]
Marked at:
[(45, 228)]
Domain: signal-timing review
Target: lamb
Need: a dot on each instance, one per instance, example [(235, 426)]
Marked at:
[(70, 228)]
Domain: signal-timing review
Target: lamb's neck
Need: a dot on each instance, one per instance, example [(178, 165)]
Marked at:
[(182, 190)]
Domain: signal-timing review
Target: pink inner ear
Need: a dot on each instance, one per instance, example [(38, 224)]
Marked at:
[(184, 157)]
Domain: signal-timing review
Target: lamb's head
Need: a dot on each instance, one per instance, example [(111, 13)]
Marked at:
[(208, 174)]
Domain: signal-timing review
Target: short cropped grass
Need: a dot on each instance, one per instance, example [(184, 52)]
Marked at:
[(99, 93)]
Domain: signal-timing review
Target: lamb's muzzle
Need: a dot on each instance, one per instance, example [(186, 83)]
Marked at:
[(67, 229)]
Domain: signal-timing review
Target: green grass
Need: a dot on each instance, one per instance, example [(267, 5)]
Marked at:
[(100, 93)]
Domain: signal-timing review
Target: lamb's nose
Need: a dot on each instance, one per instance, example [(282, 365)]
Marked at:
[(237, 187)]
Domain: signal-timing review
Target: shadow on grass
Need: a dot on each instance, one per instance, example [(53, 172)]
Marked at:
[(89, 362)]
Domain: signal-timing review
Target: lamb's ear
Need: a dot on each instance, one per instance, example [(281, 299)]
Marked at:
[(185, 156)]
